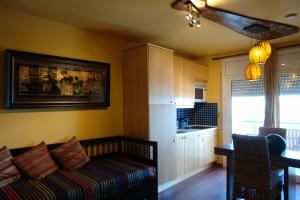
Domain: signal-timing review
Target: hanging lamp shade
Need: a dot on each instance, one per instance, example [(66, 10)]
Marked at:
[(266, 45), (252, 72), (257, 55)]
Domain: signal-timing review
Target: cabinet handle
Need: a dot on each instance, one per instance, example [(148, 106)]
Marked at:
[(174, 140)]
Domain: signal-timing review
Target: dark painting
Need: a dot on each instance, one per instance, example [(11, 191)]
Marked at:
[(35, 80)]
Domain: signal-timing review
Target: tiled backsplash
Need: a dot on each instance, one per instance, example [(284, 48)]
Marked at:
[(201, 114)]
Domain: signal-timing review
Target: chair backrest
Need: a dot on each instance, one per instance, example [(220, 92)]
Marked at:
[(251, 162), (266, 131)]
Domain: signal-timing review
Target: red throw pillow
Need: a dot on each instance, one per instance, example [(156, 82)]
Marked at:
[(8, 172), (70, 155), (36, 163)]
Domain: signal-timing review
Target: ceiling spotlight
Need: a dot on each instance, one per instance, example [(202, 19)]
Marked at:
[(189, 16), (193, 19), (198, 25)]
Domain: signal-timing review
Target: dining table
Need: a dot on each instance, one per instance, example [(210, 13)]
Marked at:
[(288, 160)]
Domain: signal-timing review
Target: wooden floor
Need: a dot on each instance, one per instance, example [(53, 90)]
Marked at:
[(208, 185)]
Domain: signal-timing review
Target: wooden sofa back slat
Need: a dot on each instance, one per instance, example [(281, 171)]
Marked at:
[(142, 150)]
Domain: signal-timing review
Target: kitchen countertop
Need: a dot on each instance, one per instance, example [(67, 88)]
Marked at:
[(194, 128)]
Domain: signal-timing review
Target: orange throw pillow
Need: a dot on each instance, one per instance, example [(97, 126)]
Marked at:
[(70, 155), (36, 162), (8, 172)]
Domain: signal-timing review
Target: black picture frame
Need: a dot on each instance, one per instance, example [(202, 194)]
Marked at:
[(43, 81)]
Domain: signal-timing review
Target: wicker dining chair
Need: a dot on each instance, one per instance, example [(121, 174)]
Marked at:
[(266, 131), (253, 177)]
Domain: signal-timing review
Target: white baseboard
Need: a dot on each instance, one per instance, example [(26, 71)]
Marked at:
[(169, 184)]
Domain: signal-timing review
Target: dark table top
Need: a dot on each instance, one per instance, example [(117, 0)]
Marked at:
[(287, 158)]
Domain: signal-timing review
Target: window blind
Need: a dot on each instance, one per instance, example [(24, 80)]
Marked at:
[(289, 85), (240, 88)]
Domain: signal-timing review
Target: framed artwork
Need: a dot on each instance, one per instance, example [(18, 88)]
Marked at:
[(43, 81)]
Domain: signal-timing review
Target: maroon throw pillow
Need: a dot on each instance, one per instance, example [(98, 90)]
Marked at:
[(36, 162), (8, 172), (70, 155)]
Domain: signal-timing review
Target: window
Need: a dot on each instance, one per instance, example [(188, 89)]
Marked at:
[(289, 98), (288, 66), (248, 105)]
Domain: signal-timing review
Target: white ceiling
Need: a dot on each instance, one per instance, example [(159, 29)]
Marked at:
[(156, 22)]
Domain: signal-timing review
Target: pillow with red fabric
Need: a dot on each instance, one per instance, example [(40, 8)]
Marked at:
[(36, 162), (70, 155), (8, 172)]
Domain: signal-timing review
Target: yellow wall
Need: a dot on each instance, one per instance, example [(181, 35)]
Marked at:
[(20, 128)]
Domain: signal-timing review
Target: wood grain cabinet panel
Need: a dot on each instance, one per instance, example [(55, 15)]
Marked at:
[(195, 150), (162, 128), (178, 81), (149, 108), (180, 155), (186, 74), (188, 153), (201, 73), (160, 76), (188, 83)]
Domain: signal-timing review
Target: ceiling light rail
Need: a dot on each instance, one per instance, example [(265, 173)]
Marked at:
[(235, 21)]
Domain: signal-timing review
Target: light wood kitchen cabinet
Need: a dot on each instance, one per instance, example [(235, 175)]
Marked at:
[(195, 150), (148, 99), (180, 155), (188, 83), (162, 128), (178, 80), (204, 143), (185, 160), (188, 153), (186, 74), (199, 150), (160, 76), (212, 136), (201, 73)]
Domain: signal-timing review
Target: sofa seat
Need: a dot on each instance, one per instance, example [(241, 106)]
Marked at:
[(97, 179)]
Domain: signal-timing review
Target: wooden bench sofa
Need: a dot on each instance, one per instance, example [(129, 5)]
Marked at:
[(120, 168)]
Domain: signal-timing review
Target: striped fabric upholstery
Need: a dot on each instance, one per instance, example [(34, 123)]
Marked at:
[(95, 180), (8, 172), (36, 163), (70, 155)]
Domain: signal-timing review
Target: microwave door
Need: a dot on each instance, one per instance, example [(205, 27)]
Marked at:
[(199, 94)]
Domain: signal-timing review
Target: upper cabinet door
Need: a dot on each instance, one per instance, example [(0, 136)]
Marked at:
[(188, 82), (178, 81), (201, 73), (160, 76)]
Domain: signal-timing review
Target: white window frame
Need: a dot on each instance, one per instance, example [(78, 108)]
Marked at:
[(234, 74)]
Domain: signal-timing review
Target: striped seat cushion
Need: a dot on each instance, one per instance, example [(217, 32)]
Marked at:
[(36, 162), (8, 172), (70, 155), (95, 180)]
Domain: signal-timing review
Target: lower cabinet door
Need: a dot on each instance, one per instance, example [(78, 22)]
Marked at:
[(197, 151), (162, 128), (189, 153), (180, 155)]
